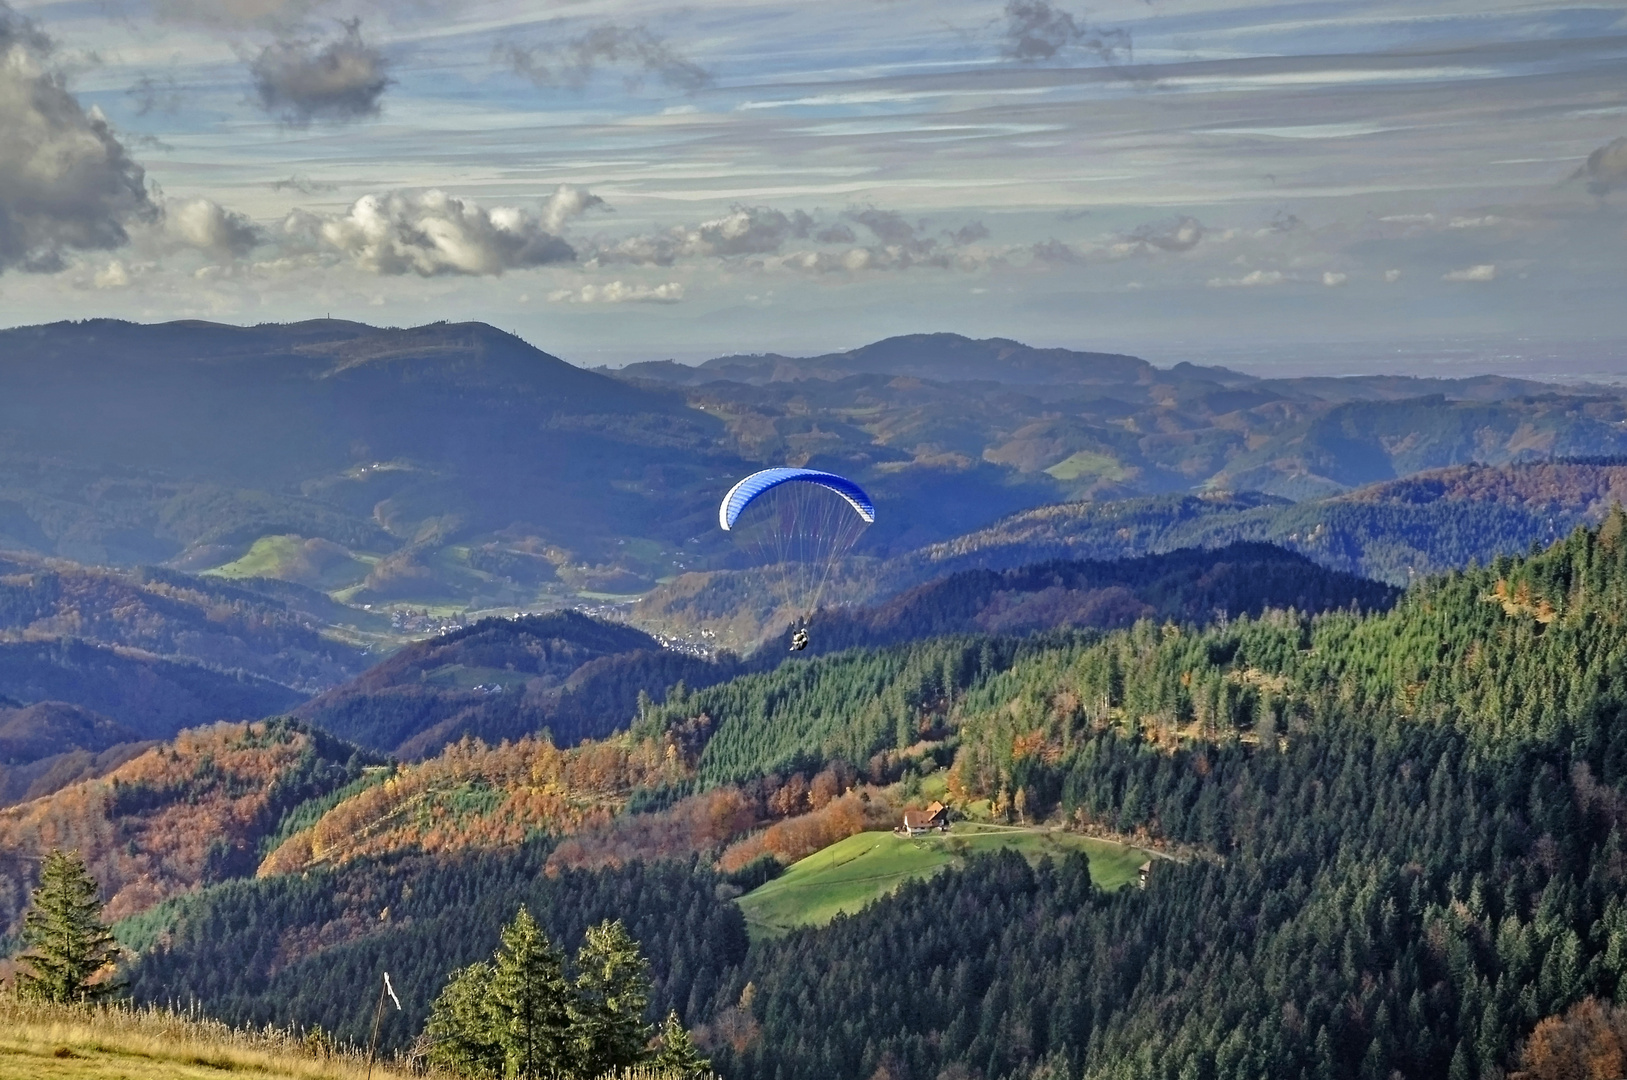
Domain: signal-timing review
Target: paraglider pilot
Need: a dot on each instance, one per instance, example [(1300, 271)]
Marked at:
[(799, 640)]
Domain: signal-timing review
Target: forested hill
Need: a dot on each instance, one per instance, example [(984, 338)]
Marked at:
[(1190, 585), (1419, 813), (572, 675), (1396, 531), (1398, 841), (195, 810)]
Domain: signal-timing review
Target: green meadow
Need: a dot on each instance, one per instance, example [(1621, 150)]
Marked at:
[(843, 878)]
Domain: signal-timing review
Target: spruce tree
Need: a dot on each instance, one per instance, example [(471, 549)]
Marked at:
[(612, 993), (531, 998), (65, 941), (676, 1057), (463, 1026)]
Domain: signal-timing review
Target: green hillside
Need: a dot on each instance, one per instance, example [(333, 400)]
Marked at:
[(848, 875)]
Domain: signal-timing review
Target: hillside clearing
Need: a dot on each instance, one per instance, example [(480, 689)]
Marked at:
[(847, 875), (53, 1042)]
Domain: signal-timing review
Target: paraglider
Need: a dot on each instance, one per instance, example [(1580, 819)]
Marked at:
[(798, 524)]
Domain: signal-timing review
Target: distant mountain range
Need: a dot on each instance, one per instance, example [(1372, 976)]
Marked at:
[(457, 468)]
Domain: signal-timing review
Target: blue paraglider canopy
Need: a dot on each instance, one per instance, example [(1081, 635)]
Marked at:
[(741, 495)]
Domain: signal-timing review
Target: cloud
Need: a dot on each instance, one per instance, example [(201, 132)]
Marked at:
[(1177, 234), (1483, 272), (762, 231), (618, 292), (299, 81), (744, 230), (1605, 169), (633, 49), (1392, 276), (1283, 222), (1249, 280), (66, 181), (1056, 253), (1035, 31), (431, 234), (302, 184), (111, 276), (1334, 278), (160, 94), (211, 228), (568, 201)]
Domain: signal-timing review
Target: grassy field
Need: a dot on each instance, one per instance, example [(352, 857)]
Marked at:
[(45, 1042), (849, 874), (288, 558)]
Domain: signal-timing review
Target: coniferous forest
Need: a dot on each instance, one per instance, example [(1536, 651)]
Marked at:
[(1395, 842)]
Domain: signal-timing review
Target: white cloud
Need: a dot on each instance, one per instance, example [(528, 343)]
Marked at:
[(211, 228), (1482, 272), (568, 201), (112, 276), (619, 292), (1249, 280), (1332, 278), (1392, 276), (432, 233), (1485, 221)]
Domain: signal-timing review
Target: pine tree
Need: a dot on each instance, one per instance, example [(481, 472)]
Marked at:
[(612, 992), (676, 1056), (532, 1001), (66, 942)]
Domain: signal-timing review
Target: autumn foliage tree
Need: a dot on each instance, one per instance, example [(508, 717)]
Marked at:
[(1589, 1042)]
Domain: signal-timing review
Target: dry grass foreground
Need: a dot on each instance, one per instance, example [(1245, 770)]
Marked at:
[(55, 1042)]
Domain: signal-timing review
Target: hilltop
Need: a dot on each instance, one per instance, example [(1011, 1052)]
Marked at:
[(574, 676)]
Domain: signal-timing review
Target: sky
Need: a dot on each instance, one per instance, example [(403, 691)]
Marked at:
[(1332, 186)]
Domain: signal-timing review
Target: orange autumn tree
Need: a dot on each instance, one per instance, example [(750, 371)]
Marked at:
[(1589, 1042)]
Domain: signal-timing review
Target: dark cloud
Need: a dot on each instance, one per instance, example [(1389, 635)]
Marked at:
[(969, 233), (431, 234), (1074, 214), (302, 184), (889, 226), (1605, 169), (1056, 253), (633, 50), (156, 94), (1177, 234), (301, 80), (66, 181), (1035, 32), (835, 234), (1282, 222)]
